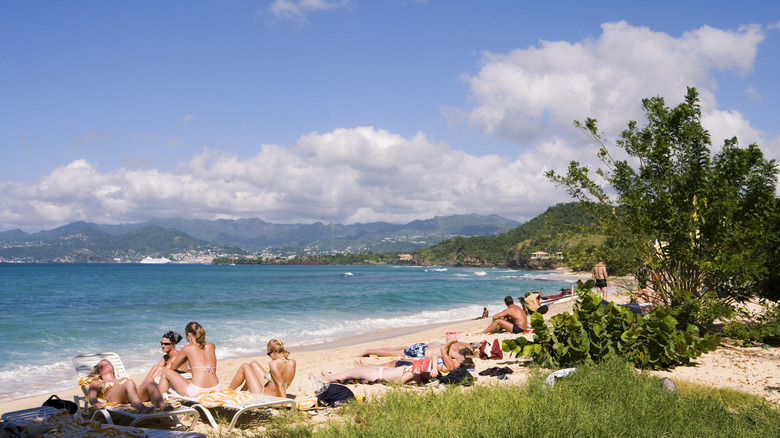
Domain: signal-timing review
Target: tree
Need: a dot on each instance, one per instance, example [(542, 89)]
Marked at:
[(699, 220)]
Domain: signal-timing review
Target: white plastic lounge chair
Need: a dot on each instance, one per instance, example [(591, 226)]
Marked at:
[(84, 364), (258, 401), (17, 422)]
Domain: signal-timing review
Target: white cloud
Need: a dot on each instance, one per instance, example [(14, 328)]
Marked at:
[(296, 10), (529, 94), (347, 175)]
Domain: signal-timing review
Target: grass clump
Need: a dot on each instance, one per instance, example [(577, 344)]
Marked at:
[(605, 400)]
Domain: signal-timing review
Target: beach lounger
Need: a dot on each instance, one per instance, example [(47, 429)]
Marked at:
[(17, 423), (236, 401), (84, 364)]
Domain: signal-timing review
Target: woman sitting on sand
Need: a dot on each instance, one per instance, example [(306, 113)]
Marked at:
[(202, 359), (113, 390), (281, 372), (168, 345)]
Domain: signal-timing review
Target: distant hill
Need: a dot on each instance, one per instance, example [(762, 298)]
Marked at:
[(562, 228), (82, 241)]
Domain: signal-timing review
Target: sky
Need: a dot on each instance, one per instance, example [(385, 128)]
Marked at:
[(347, 111)]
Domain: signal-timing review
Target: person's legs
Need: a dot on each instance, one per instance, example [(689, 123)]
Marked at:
[(149, 391), (370, 373), (127, 392), (172, 379), (383, 352), (502, 323)]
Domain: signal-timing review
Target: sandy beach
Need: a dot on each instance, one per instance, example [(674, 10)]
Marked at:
[(754, 370)]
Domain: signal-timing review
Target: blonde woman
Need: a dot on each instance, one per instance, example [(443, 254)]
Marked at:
[(113, 390), (281, 372), (202, 359)]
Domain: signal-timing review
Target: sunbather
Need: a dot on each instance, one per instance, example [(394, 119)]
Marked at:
[(202, 360), (439, 355), (455, 350), (107, 387), (281, 372), (168, 346), (378, 374)]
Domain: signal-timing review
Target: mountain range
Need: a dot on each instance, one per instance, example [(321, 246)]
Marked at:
[(90, 242)]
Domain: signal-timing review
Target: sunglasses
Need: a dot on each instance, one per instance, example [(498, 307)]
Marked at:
[(166, 343), (269, 352)]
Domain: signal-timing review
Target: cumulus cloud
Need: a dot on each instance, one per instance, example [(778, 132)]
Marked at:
[(296, 11), (346, 175), (527, 94)]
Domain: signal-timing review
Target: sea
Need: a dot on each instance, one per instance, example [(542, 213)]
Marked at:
[(52, 312)]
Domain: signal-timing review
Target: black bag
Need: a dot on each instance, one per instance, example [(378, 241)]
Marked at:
[(59, 403), (458, 376), (335, 395)]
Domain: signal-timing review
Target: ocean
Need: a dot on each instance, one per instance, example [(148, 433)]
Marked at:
[(52, 312)]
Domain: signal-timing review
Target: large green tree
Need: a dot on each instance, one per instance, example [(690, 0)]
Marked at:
[(700, 220)]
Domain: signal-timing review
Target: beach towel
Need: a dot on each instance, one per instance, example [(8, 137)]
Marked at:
[(495, 350), (496, 371), (214, 399)]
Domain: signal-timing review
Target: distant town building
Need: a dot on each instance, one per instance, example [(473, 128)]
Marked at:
[(405, 257), (540, 255)]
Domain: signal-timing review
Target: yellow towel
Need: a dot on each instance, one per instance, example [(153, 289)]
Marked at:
[(226, 396)]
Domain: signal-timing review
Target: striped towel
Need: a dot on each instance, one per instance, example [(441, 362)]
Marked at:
[(214, 399)]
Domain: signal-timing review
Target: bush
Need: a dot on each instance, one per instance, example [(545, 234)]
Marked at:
[(594, 333), (756, 328)]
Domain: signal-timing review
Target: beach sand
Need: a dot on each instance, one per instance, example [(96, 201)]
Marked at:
[(752, 370)]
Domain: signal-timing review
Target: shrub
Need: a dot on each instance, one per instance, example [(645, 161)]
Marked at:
[(596, 332)]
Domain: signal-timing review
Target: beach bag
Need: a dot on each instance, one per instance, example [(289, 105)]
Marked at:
[(58, 403), (542, 309), (459, 376), (335, 395)]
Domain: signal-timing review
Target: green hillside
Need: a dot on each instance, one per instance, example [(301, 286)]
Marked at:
[(566, 228)]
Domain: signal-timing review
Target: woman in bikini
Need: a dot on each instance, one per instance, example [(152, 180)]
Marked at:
[(202, 359), (281, 372), (441, 356), (107, 387), (168, 346)]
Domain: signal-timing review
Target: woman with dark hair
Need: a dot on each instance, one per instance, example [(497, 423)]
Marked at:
[(281, 372), (202, 359), (168, 346)]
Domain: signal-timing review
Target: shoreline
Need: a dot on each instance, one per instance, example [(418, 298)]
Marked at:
[(752, 370)]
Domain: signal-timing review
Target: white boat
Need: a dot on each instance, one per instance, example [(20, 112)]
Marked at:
[(154, 261)]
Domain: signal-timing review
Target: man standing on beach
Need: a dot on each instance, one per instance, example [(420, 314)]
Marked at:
[(512, 319), (600, 276)]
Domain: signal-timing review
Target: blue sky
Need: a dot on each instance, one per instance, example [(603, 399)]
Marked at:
[(349, 111)]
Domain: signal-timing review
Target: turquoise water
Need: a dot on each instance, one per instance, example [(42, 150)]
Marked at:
[(52, 312)]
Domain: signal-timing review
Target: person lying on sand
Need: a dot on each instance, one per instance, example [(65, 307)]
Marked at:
[(512, 319), (440, 356), (404, 374), (453, 349)]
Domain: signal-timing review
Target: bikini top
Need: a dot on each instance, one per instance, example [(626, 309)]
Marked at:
[(105, 385), (206, 368)]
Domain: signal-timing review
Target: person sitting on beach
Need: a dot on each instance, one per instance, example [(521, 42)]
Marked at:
[(281, 372), (107, 387), (168, 346), (531, 303), (202, 359), (440, 356), (485, 314), (512, 319)]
